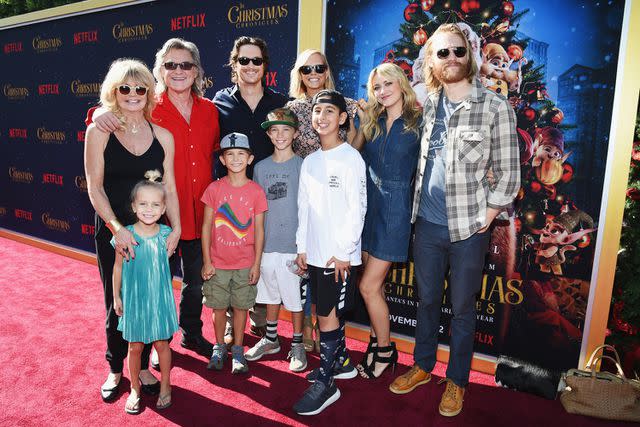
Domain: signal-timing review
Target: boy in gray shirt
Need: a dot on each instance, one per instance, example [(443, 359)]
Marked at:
[(278, 175)]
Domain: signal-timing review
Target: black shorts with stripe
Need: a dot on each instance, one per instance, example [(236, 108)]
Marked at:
[(326, 294)]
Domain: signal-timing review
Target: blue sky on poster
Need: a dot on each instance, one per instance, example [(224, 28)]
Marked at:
[(574, 30)]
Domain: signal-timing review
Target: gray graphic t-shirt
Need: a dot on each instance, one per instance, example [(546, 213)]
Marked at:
[(433, 205), (280, 183)]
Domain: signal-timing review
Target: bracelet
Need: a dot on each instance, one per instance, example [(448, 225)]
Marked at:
[(114, 226)]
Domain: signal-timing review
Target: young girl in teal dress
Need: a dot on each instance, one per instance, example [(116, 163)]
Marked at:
[(142, 293)]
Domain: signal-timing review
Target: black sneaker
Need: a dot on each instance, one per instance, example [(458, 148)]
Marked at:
[(317, 397), (198, 344), (342, 371)]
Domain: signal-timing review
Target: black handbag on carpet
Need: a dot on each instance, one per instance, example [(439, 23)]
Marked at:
[(524, 376)]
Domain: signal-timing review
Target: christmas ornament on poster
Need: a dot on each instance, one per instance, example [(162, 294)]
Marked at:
[(468, 6), (557, 116), (584, 241), (426, 5), (406, 68), (410, 10), (507, 8), (515, 52), (420, 37), (529, 114)]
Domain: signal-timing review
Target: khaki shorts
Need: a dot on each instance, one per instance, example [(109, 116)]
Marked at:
[(229, 288)]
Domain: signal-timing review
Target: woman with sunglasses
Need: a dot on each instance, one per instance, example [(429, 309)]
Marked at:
[(114, 163), (309, 75), (389, 139), (193, 121)]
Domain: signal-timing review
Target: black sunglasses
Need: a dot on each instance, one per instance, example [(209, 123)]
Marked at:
[(458, 51), (170, 65), (126, 90), (243, 60), (307, 69)]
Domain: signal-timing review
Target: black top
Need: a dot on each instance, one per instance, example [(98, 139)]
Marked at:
[(123, 170), (235, 116)]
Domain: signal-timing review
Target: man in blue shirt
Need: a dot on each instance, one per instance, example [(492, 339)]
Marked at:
[(242, 108)]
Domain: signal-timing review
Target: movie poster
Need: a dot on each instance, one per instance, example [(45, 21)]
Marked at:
[(556, 63)]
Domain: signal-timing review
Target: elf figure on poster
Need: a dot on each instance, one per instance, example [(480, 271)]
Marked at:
[(491, 27)]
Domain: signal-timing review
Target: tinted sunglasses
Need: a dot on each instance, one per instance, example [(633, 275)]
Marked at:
[(243, 60), (126, 90), (459, 52), (170, 65), (308, 69)]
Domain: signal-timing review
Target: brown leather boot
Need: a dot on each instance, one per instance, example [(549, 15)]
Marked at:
[(410, 380), (452, 398)]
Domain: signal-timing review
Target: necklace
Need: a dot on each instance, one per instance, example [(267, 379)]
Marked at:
[(135, 128)]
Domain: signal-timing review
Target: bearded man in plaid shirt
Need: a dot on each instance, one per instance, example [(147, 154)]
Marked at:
[(468, 131)]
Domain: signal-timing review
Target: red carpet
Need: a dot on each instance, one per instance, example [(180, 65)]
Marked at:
[(52, 359)]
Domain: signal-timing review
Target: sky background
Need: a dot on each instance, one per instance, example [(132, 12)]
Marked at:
[(578, 32)]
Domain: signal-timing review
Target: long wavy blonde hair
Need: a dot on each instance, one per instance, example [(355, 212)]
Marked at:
[(120, 71), (411, 112), (432, 82), (297, 88)]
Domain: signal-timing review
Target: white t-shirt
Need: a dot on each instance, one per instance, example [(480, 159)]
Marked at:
[(332, 204)]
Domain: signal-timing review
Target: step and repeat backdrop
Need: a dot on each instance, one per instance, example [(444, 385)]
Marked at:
[(556, 63), (52, 75)]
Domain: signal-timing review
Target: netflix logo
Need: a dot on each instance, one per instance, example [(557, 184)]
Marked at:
[(22, 214), (85, 37), (12, 47), (188, 21), (17, 133), (52, 178), (49, 89), (88, 229), (270, 78)]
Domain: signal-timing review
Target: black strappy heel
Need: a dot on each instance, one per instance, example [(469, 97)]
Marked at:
[(371, 350), (391, 360)]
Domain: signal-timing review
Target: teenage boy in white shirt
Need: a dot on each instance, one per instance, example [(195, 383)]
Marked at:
[(332, 203)]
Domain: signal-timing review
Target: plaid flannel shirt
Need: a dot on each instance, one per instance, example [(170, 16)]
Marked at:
[(481, 136)]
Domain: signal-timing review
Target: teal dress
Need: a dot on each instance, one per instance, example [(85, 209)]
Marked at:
[(148, 306)]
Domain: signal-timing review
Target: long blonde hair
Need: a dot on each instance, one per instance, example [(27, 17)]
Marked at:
[(297, 88), (120, 71), (432, 82), (411, 112)]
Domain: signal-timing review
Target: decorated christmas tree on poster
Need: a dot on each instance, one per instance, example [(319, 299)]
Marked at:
[(543, 207)]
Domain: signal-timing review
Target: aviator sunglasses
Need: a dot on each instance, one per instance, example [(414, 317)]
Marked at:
[(458, 51), (307, 69), (170, 65), (243, 60), (126, 90)]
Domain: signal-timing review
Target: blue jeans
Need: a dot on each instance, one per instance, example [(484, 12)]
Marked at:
[(435, 257)]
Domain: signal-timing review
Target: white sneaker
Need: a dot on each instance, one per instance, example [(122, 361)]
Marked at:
[(262, 347), (298, 357)]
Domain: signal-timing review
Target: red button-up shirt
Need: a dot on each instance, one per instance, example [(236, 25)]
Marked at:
[(195, 145)]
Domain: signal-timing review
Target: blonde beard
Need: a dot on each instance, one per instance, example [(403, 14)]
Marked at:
[(449, 75)]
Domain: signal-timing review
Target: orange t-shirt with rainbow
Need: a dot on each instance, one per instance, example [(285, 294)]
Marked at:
[(232, 230)]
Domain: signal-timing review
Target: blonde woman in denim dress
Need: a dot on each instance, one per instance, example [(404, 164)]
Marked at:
[(389, 140)]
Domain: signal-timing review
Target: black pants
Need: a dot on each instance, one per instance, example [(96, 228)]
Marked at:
[(116, 345), (191, 292)]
